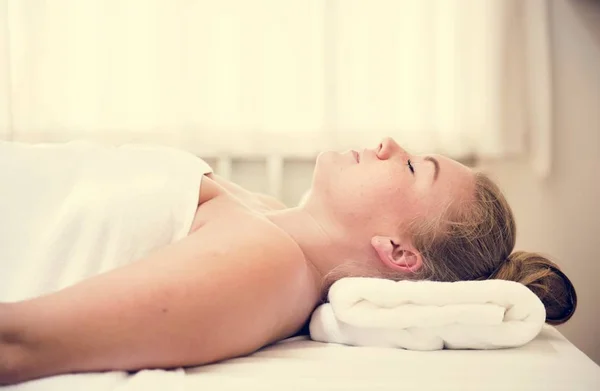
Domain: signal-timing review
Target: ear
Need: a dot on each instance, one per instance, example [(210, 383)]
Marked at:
[(399, 255)]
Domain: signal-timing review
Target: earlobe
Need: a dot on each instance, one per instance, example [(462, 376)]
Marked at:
[(397, 254)]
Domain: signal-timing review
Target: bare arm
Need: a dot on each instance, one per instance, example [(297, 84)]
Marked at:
[(196, 301)]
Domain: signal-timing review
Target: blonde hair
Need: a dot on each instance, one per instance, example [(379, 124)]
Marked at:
[(474, 240)]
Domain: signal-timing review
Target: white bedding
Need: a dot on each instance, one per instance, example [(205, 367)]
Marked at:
[(70, 211), (549, 362)]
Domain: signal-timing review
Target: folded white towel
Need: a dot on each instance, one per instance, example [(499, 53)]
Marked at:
[(427, 315)]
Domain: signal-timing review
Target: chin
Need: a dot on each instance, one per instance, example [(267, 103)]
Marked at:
[(323, 165), (326, 157), (304, 198)]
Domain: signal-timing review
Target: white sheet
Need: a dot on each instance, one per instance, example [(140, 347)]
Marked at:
[(548, 363), (72, 210)]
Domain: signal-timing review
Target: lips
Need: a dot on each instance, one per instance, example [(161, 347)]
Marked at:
[(356, 156)]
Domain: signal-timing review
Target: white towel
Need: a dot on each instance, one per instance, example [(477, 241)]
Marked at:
[(427, 315), (69, 211)]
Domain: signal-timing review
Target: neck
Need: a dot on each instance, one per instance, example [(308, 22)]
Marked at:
[(313, 234)]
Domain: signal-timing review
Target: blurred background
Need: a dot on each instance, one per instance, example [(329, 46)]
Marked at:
[(258, 88)]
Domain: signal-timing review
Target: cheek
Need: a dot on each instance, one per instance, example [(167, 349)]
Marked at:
[(382, 192), (365, 191), (396, 195)]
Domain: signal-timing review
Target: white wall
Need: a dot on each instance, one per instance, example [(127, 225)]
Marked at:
[(560, 216)]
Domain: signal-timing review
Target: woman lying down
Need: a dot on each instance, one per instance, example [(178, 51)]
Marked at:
[(248, 271)]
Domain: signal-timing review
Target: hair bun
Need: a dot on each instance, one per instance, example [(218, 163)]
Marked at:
[(545, 279)]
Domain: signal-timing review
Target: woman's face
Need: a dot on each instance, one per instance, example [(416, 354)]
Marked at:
[(383, 187)]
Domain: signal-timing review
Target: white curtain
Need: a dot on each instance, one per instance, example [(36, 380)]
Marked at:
[(461, 77)]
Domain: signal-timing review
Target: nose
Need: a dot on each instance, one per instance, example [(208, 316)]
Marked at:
[(387, 148)]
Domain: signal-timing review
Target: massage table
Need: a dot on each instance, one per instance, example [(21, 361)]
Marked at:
[(549, 362)]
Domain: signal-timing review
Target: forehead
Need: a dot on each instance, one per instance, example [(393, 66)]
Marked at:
[(455, 179)]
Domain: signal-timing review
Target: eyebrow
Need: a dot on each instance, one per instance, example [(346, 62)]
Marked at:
[(436, 166)]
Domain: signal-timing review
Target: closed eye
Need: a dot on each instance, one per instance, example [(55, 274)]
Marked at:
[(410, 167)]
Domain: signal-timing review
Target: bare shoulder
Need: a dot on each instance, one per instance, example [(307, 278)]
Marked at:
[(262, 263), (292, 279), (258, 246)]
